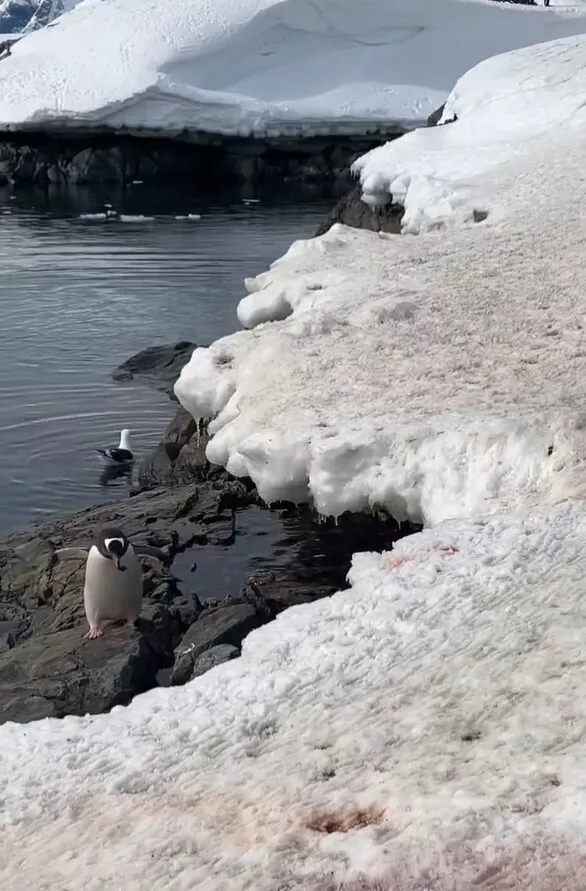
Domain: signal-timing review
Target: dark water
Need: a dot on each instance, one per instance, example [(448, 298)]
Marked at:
[(79, 296)]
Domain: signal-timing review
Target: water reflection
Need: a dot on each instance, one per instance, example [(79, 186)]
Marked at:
[(79, 297)]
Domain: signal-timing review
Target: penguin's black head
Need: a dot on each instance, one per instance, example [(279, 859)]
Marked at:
[(113, 544)]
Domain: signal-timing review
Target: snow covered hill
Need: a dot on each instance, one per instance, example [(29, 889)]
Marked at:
[(257, 66)]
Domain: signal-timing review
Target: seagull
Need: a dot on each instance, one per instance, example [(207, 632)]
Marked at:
[(121, 456)]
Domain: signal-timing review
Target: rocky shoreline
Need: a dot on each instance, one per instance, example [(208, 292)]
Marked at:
[(183, 506), (200, 160)]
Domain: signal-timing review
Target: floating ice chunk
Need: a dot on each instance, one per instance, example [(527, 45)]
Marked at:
[(135, 218)]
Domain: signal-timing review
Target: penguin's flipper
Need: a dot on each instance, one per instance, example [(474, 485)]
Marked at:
[(66, 553), (150, 551)]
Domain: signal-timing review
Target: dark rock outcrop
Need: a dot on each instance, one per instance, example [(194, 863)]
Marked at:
[(352, 211), (212, 657), (159, 366), (53, 675), (204, 160), (180, 459), (435, 118), (215, 627)]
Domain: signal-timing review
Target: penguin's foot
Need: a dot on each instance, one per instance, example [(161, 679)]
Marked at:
[(93, 633)]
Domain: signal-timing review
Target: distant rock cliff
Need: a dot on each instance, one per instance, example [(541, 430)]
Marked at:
[(23, 16)]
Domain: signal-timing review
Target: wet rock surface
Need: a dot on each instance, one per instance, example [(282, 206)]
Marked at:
[(47, 668)]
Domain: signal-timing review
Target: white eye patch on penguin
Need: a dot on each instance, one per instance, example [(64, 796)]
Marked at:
[(113, 544)]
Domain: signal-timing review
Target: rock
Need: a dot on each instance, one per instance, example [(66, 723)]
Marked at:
[(62, 674), (352, 211), (434, 118), (7, 637), (96, 165), (159, 365), (159, 467), (211, 658), (180, 460), (204, 160), (225, 625)]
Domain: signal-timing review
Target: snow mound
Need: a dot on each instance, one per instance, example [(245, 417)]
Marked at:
[(507, 106), (245, 67), (407, 372), (439, 699)]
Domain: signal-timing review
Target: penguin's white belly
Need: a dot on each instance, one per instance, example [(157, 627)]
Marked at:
[(110, 594)]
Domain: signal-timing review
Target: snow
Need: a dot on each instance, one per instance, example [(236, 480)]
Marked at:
[(443, 174), (446, 689), (338, 403), (257, 67), (430, 717)]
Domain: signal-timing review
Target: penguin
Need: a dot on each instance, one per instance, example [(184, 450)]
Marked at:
[(113, 579)]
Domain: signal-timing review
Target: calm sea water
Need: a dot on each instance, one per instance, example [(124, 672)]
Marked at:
[(79, 296)]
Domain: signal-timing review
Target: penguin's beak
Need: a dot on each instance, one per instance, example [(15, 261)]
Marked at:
[(117, 563)]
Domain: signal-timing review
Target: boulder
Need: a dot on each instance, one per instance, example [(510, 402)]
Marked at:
[(214, 656), (52, 675), (435, 117), (352, 211), (158, 365), (179, 460), (224, 625)]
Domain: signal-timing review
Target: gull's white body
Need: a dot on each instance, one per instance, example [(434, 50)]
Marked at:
[(122, 455), (125, 440), (110, 595)]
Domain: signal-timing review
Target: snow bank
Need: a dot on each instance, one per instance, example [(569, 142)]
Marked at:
[(410, 372), (506, 106), (256, 66), (436, 704)]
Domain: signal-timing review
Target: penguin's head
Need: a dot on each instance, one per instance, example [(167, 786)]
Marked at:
[(113, 544)]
